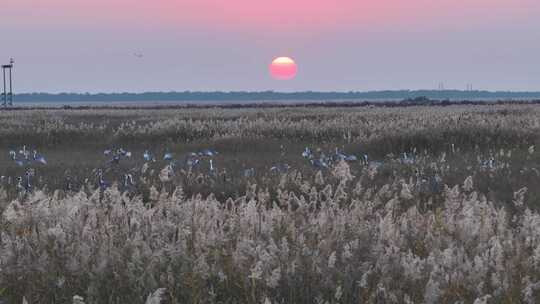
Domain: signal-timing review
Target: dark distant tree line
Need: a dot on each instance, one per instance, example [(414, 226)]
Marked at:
[(242, 96)]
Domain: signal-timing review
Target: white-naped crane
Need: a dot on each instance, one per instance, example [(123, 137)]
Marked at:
[(208, 152), (168, 156), (319, 163), (191, 161), (280, 168), (249, 172), (212, 165), (307, 153), (39, 158), (128, 184), (117, 155), (149, 157), (101, 182), (342, 156)]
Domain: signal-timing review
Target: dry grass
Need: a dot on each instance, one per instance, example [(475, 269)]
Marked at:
[(352, 233)]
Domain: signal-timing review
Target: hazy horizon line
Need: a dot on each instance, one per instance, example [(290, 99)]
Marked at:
[(276, 92)]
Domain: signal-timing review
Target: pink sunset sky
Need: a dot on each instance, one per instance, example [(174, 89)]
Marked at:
[(89, 46)]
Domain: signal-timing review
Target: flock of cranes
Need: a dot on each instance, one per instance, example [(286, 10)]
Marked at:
[(29, 159), (316, 158), (24, 157), (323, 161)]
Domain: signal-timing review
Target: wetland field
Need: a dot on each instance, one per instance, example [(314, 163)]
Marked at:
[(417, 204)]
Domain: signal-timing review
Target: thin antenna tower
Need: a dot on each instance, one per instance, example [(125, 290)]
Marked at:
[(11, 62)]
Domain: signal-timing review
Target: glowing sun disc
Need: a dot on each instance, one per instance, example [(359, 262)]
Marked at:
[(283, 68)]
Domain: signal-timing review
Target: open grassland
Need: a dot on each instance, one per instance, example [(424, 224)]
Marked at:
[(441, 205)]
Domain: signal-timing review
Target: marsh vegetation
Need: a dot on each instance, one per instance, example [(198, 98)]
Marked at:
[(438, 205)]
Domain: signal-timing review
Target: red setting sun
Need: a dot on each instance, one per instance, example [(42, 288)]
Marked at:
[(283, 68)]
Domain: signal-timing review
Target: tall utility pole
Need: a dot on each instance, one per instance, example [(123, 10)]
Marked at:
[(8, 97)]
